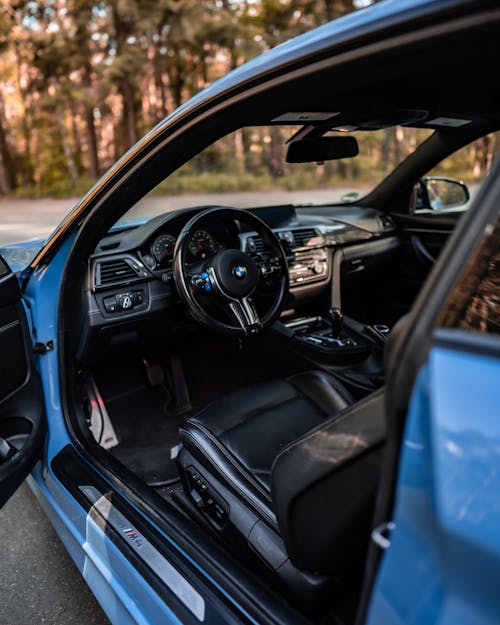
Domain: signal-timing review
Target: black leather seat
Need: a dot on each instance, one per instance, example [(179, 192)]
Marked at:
[(264, 460)]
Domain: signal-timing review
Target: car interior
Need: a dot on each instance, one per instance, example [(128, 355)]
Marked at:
[(234, 361)]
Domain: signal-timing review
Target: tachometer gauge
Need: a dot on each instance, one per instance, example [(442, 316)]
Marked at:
[(201, 244), (163, 247)]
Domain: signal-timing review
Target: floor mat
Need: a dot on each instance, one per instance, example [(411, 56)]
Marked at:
[(148, 435), (147, 431)]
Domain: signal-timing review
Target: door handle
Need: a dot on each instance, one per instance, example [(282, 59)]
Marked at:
[(379, 534)]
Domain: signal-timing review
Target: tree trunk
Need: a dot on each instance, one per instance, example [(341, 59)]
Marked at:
[(385, 149), (4, 182), (158, 76), (128, 112), (27, 164), (329, 9), (68, 153), (93, 164), (88, 116), (247, 154), (7, 169), (126, 87), (75, 135), (176, 78), (239, 151)]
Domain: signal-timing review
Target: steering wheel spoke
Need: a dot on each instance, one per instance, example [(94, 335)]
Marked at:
[(245, 313), (270, 268)]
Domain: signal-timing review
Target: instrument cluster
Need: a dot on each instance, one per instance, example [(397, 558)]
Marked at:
[(160, 253)]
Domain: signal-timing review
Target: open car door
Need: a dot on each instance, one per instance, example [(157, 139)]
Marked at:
[(442, 543), (22, 419)]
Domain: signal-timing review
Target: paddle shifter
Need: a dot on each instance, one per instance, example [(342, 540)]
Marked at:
[(336, 318)]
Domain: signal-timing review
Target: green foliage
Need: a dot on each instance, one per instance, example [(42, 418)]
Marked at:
[(58, 188), (80, 80), (209, 182)]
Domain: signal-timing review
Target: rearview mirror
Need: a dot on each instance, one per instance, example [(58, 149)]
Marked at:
[(321, 149), (439, 193)]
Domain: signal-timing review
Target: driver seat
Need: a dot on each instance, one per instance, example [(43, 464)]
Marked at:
[(292, 465)]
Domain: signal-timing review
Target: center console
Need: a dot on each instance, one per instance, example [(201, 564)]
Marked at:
[(351, 349), (333, 338)]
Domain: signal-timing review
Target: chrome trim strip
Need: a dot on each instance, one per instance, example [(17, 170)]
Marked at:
[(170, 576), (9, 326)]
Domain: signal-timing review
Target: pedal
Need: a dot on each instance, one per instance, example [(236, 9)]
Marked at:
[(154, 373), (179, 386), (99, 422)]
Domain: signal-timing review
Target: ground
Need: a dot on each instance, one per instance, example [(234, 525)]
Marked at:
[(38, 581), (25, 219)]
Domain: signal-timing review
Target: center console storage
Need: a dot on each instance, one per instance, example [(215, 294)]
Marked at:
[(329, 340), (352, 350)]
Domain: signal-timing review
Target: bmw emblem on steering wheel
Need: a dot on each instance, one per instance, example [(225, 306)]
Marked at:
[(239, 271)]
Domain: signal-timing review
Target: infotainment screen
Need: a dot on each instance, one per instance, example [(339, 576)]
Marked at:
[(277, 216)]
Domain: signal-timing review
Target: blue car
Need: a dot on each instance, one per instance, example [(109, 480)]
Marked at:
[(282, 408)]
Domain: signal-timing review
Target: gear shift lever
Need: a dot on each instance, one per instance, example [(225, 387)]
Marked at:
[(336, 319)]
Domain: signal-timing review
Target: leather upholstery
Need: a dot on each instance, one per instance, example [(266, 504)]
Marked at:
[(300, 458), (324, 485), (240, 435)]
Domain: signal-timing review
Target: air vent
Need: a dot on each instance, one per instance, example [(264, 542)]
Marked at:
[(302, 237), (116, 271), (255, 245)]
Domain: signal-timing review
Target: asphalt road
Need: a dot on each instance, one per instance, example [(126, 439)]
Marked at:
[(38, 581), (24, 219)]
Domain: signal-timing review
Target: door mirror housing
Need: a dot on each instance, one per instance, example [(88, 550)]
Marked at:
[(438, 193), (320, 149)]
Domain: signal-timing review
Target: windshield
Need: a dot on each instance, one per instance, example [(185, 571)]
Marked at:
[(247, 168)]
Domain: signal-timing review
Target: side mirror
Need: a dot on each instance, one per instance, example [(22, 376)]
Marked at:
[(437, 193), (321, 149)]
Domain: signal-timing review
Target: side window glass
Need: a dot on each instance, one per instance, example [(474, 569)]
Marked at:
[(453, 183), (474, 303)]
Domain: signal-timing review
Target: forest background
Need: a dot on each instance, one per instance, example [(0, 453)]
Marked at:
[(82, 80)]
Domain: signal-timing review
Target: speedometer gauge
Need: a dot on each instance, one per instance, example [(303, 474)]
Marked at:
[(201, 244), (163, 247)]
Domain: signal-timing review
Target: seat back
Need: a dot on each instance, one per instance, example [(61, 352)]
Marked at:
[(323, 488)]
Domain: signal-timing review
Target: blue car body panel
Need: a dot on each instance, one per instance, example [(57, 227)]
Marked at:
[(443, 562)]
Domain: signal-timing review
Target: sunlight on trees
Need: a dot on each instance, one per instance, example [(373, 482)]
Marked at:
[(82, 80)]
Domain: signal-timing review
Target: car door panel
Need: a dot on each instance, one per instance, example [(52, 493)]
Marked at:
[(22, 421), (430, 230), (447, 505), (423, 236)]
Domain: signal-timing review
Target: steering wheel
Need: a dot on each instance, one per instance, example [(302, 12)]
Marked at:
[(232, 291)]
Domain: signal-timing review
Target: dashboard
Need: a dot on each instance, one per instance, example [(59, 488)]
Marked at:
[(130, 284), (157, 253)]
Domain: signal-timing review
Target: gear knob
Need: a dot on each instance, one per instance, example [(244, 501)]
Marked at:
[(336, 318)]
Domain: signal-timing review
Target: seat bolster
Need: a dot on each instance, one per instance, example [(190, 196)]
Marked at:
[(213, 455), (323, 390), (320, 495)]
